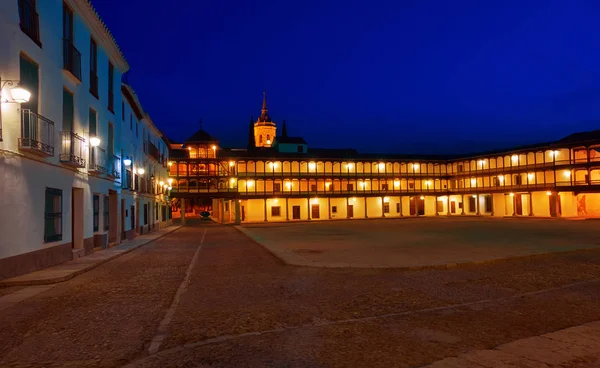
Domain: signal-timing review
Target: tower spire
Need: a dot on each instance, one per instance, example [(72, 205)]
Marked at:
[(264, 115)]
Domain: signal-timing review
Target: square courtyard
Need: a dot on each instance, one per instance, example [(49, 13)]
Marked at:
[(420, 242)]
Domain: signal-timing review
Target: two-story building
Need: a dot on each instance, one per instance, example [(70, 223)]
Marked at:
[(62, 148), (285, 180)]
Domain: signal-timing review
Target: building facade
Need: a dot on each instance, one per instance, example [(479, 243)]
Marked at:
[(289, 181), (66, 150)]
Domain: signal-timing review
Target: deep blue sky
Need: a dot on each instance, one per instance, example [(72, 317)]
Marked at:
[(378, 76)]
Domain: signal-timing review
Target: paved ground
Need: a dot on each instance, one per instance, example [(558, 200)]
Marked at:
[(420, 242), (236, 305)]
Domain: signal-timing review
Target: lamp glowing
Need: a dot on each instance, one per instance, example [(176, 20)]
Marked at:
[(312, 165), (20, 94), (567, 173), (396, 183), (474, 195), (422, 197), (94, 141), (515, 158), (350, 166), (170, 181), (231, 163), (141, 171), (127, 162), (268, 141), (214, 147), (170, 187), (170, 163), (386, 199), (250, 183), (416, 166), (512, 194), (381, 166), (548, 193), (161, 183)]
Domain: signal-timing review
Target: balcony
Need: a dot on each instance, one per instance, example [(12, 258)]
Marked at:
[(97, 160), (37, 133), (114, 167), (29, 21), (71, 59), (94, 84), (72, 149), (153, 151)]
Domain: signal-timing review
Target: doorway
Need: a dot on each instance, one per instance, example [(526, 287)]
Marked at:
[(453, 207), (421, 206), (243, 213), (350, 211), (113, 203), (518, 205), (77, 218), (314, 211), (554, 202), (132, 218), (413, 206), (123, 219), (295, 212)]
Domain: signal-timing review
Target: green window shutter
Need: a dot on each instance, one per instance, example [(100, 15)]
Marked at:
[(92, 122), (30, 80), (67, 111)]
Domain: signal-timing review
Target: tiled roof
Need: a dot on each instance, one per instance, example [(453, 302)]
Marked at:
[(290, 140)]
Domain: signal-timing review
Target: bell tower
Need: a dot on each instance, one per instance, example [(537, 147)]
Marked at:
[(264, 128)]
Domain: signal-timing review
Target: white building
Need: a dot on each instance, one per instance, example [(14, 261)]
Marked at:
[(62, 153)]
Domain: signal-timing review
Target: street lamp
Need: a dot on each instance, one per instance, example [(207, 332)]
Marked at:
[(94, 141), (127, 161), (16, 94), (141, 171)]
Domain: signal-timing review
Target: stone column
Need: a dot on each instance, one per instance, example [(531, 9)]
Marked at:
[(238, 211), (382, 204), (308, 204), (347, 205), (222, 214), (477, 204), (287, 210), (230, 210), (366, 212), (182, 211), (492, 202), (514, 203), (462, 199), (329, 206), (436, 207), (265, 208), (448, 206), (530, 204), (401, 214)]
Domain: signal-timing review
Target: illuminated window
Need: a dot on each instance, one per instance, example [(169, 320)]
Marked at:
[(275, 211)]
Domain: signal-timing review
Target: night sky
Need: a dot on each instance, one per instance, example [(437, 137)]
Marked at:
[(379, 76)]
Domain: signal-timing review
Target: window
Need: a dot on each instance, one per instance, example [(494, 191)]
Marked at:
[(333, 209), (260, 139), (29, 20), (96, 209), (350, 187), (68, 111), (384, 187), (226, 206), (268, 138), (472, 204), (277, 187), (411, 185), (440, 206), (71, 56), (92, 121), (145, 213), (300, 149), (275, 211), (518, 180), (313, 187), (111, 82), (386, 207), (106, 216), (29, 73), (398, 207), (163, 213), (53, 215), (93, 68), (495, 181), (488, 203), (460, 168)]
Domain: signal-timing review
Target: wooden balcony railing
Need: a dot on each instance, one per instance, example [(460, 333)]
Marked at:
[(37, 133), (72, 149)]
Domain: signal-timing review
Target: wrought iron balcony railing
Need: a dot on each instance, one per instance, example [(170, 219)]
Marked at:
[(153, 151), (71, 58), (37, 133), (114, 167), (29, 20), (72, 149), (97, 160)]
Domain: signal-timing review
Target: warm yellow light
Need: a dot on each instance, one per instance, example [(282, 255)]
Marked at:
[(189, 148), (396, 183), (327, 184), (474, 195), (428, 183), (170, 181), (276, 200), (501, 178), (386, 199), (416, 166), (567, 173), (250, 183), (553, 153), (214, 147), (141, 171), (232, 180), (268, 141), (231, 163), (170, 187), (353, 199), (515, 158), (548, 193), (94, 141), (314, 200), (481, 162), (161, 183), (530, 175), (381, 166), (512, 194), (20, 94), (288, 185), (473, 181), (422, 197), (350, 166), (312, 166), (361, 184), (170, 163)]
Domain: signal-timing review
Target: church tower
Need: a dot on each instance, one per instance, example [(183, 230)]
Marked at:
[(264, 128)]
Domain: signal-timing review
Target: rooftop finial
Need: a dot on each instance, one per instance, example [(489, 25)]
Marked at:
[(264, 107)]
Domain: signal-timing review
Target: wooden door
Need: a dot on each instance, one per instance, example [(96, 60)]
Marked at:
[(453, 207), (314, 211), (421, 207), (350, 211), (295, 212), (243, 213), (518, 204), (413, 206), (122, 219), (554, 203)]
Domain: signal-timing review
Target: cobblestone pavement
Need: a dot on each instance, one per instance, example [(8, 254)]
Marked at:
[(244, 308)]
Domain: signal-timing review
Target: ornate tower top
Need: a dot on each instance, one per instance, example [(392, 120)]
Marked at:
[(265, 129), (264, 115)]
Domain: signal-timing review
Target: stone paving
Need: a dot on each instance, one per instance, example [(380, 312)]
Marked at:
[(420, 242), (242, 307)]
